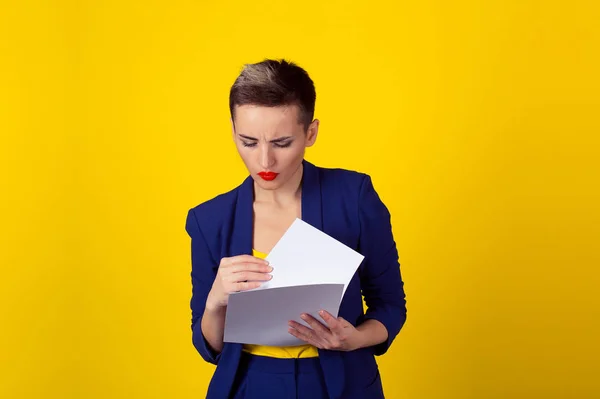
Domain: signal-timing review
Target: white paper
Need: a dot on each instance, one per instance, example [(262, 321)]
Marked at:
[(306, 255), (261, 317), (311, 271)]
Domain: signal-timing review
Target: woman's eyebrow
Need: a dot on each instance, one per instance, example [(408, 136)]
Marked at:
[(280, 139), (248, 137), (277, 140)]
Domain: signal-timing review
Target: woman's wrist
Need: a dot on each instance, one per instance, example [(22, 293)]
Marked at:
[(370, 333), (213, 306), (360, 340), (213, 324)]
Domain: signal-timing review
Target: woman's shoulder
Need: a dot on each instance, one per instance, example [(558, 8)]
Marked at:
[(342, 178), (349, 186), (217, 205)]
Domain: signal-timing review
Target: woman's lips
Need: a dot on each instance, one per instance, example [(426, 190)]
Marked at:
[(268, 175)]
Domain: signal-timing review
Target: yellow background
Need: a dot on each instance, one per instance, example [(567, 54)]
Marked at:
[(478, 121)]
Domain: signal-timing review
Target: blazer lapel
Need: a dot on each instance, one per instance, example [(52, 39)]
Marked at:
[(241, 243), (312, 212)]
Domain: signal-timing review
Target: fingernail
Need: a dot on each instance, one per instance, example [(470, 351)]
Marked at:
[(322, 313), (270, 268)]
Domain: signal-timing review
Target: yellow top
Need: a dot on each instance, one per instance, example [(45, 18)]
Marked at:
[(297, 352)]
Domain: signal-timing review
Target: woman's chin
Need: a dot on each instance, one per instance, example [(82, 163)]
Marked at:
[(267, 184)]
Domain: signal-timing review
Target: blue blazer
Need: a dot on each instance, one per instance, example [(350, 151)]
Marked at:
[(344, 205)]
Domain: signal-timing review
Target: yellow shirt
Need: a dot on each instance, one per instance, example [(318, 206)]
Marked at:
[(300, 351)]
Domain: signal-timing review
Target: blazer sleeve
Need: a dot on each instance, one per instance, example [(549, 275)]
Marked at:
[(203, 275), (381, 280)]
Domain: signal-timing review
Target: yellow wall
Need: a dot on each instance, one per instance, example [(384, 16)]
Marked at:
[(478, 121)]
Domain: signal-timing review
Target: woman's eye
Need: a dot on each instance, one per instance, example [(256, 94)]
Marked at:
[(277, 145)]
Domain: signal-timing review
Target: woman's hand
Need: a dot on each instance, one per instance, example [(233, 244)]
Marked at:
[(336, 334), (238, 273)]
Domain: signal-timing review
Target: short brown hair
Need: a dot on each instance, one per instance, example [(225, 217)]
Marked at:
[(273, 83)]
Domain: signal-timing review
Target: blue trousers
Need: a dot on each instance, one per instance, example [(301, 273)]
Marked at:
[(263, 377)]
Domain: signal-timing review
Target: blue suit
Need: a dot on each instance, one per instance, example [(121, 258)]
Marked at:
[(344, 205)]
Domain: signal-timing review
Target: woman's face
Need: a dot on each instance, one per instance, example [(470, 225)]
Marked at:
[(271, 142)]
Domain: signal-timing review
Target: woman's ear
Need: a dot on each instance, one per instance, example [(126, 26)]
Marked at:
[(312, 132)]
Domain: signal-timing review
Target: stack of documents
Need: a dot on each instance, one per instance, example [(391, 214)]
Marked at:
[(311, 272)]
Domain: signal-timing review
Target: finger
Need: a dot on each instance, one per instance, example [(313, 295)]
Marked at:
[(334, 324), (320, 336), (248, 276), (249, 267), (243, 259), (304, 338), (246, 285), (309, 337), (315, 324)]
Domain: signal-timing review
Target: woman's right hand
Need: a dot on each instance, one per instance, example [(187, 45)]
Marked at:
[(238, 273)]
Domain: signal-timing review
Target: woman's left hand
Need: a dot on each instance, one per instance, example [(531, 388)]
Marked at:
[(336, 334)]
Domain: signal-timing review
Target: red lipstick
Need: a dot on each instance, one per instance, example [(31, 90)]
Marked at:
[(268, 176)]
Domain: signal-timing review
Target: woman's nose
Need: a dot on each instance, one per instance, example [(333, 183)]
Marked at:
[(266, 157)]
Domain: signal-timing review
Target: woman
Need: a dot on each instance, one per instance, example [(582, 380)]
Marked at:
[(272, 107)]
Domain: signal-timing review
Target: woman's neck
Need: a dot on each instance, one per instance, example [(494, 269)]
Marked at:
[(289, 193)]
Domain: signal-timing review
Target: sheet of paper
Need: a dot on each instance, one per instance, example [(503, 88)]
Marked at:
[(261, 316), (306, 255)]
